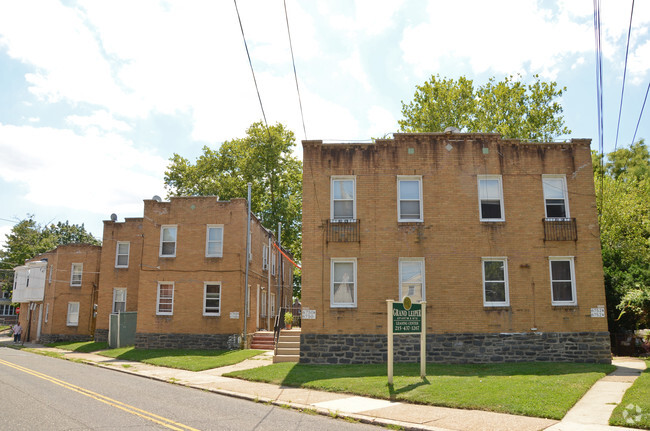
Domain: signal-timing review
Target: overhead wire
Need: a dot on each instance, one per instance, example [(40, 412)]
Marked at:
[(627, 49), (295, 75), (599, 92)]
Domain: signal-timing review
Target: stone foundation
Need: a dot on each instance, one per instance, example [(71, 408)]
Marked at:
[(55, 338), (187, 341), (101, 335), (457, 348)]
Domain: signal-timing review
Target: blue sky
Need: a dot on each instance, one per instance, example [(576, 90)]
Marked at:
[(95, 97)]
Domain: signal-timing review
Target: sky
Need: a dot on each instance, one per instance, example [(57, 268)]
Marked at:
[(95, 97)]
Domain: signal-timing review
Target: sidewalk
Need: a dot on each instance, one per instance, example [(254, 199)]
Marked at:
[(591, 413)]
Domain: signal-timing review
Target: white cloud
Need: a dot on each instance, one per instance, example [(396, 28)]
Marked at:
[(101, 173), (102, 119), (639, 63), (510, 38), (370, 17), (353, 66), (4, 231), (381, 121)]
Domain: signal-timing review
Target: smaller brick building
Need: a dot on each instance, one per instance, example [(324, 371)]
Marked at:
[(182, 268), (57, 291)]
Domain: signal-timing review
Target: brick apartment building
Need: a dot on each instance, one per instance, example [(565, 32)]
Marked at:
[(499, 236), (182, 268), (57, 291)]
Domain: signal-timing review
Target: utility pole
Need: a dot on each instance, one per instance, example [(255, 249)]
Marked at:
[(281, 275), (248, 251)]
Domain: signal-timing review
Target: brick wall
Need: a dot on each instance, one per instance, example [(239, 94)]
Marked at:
[(451, 239)]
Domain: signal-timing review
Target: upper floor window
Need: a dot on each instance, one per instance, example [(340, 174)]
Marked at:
[(76, 272), (168, 241), (563, 285), (556, 202), (122, 254), (273, 262), (165, 300), (409, 191), (265, 257), (343, 286), (490, 195), (214, 241), (411, 279), (211, 299), (343, 198), (119, 299), (495, 282)]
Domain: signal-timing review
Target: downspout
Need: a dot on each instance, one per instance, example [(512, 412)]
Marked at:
[(248, 247), (280, 275), (268, 292)]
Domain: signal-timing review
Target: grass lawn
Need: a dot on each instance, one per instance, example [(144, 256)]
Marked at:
[(80, 347), (191, 360), (634, 410), (4, 327), (546, 390)]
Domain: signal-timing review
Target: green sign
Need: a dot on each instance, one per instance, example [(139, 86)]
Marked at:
[(407, 317)]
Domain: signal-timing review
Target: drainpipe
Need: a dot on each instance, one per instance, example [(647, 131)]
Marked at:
[(248, 248), (268, 289), (280, 275)]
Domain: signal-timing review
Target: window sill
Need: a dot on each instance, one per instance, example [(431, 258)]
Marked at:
[(564, 306), (343, 307), (410, 222), (496, 307), (211, 315), (502, 221)]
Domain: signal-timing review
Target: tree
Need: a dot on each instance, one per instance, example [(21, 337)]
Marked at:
[(511, 108), (623, 196), (28, 239), (264, 157)]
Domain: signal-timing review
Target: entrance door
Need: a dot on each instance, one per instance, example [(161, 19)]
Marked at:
[(263, 310)]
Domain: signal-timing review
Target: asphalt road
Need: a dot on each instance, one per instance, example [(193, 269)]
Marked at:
[(43, 393)]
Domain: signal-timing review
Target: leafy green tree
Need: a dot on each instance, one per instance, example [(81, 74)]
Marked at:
[(264, 157), (623, 196), (28, 239), (509, 107)]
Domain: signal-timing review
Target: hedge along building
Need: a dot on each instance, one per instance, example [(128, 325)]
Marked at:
[(57, 291), (186, 271), (499, 236)]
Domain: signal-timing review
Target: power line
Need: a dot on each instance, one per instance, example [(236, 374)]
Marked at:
[(251, 65), (641, 113), (293, 61), (627, 48), (599, 92)]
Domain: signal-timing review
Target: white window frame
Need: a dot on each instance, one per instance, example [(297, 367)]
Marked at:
[(47, 312), (263, 304), (115, 292), (570, 259), (422, 267), (164, 313), (219, 252), (265, 257), (480, 212), (272, 299), (118, 254), (162, 229), (565, 193), (205, 298), (333, 262), (417, 178), (354, 197), (74, 272), (505, 303), (274, 262), (72, 318)]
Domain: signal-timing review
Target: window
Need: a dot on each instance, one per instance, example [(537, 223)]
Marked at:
[(250, 247), (263, 304), (214, 241), (343, 283), (563, 286), (168, 241), (165, 301), (122, 255), (265, 257), (495, 282), (47, 311), (73, 314), (556, 203), (272, 298), (119, 300), (77, 270), (211, 299), (273, 262), (490, 195), (409, 195), (343, 203), (411, 279)]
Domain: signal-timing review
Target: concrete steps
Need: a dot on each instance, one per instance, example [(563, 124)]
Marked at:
[(263, 340), (288, 349)]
